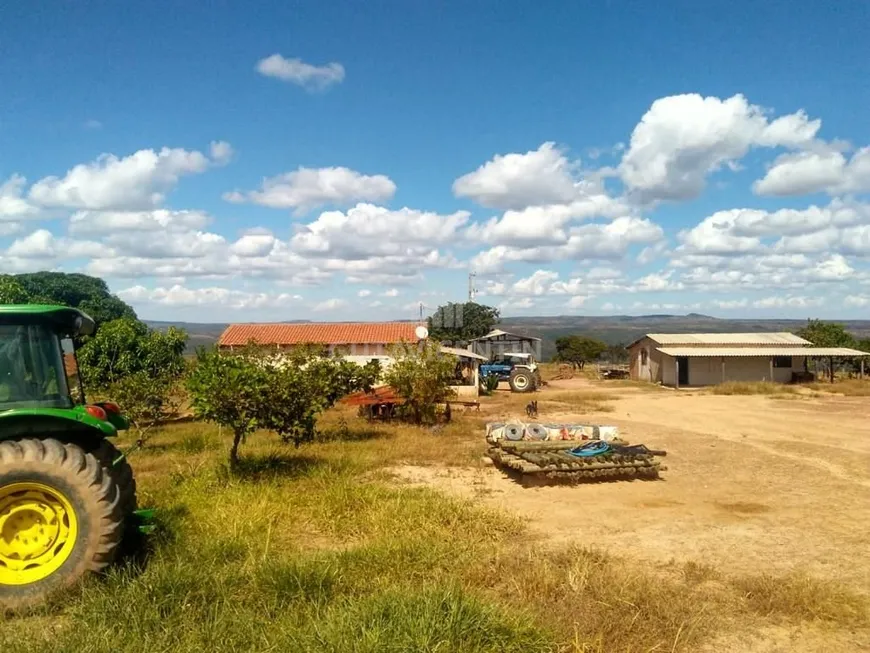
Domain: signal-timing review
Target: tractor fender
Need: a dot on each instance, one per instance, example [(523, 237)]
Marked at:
[(19, 422)]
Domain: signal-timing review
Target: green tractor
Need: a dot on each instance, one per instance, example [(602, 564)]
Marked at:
[(67, 495)]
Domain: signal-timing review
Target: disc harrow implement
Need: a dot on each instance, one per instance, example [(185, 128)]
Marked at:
[(571, 453)]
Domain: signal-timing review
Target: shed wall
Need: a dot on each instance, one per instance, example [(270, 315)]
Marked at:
[(651, 369), (708, 370)]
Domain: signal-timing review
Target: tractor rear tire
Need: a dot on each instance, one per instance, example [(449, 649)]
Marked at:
[(60, 519), (119, 468), (522, 381)]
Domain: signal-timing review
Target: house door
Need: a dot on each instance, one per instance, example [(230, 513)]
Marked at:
[(683, 362)]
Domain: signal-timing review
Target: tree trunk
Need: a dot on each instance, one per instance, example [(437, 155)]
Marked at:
[(234, 450)]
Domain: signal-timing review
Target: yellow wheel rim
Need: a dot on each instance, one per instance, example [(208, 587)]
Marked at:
[(38, 529)]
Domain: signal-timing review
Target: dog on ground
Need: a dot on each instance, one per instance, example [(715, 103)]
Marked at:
[(532, 408)]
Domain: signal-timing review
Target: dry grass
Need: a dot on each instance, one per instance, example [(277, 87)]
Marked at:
[(312, 549), (847, 387), (801, 598), (753, 388)]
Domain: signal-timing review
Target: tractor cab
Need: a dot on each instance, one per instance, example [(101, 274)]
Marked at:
[(33, 365)]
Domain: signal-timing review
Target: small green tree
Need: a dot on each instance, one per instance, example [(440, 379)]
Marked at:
[(827, 334), (146, 399), (462, 322), (228, 390), (124, 347), (255, 389), (12, 292), (300, 388), (578, 350), (422, 376), (139, 368)]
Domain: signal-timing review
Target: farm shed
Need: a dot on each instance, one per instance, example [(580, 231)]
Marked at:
[(699, 359), (467, 382), (499, 342), (358, 339)]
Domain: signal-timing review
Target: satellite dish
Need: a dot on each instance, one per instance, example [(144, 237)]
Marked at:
[(421, 332)]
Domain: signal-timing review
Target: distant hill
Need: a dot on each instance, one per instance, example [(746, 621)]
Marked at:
[(614, 330)]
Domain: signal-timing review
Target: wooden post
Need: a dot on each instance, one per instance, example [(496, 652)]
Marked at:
[(771, 369), (862, 367), (723, 369), (677, 377)]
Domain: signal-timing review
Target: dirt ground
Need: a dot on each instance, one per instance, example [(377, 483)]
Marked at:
[(753, 484)]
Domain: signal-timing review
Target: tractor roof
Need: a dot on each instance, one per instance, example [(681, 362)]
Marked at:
[(61, 318)]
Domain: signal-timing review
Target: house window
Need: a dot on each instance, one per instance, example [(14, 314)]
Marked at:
[(643, 356), (782, 361)]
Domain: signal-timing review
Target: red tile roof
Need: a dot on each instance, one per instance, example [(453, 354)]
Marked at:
[(325, 333), (69, 364)]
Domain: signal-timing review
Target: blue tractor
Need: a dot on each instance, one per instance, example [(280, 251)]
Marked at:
[(516, 368)]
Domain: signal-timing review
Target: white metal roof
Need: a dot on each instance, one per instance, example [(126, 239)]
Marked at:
[(758, 352), (495, 333), (462, 353), (779, 338)]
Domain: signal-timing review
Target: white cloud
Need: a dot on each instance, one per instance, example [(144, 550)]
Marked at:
[(578, 301), (841, 226), (516, 181), (300, 73), (308, 188), (13, 206), (857, 300), (731, 304), (92, 124), (136, 182), (364, 293), (658, 282), (42, 245), (806, 172), (254, 245), (683, 138), (330, 305), (179, 295), (791, 301), (541, 225), (392, 292), (367, 230), (105, 222), (221, 152), (589, 241)]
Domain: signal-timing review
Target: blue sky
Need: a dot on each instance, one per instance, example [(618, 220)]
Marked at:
[(349, 161)]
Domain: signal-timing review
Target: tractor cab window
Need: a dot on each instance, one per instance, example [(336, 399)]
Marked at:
[(32, 370)]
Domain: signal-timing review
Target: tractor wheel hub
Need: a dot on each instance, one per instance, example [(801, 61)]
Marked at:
[(37, 532)]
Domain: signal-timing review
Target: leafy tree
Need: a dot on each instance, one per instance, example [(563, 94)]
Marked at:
[(578, 350), (146, 399), (285, 393), (300, 388), (228, 390), (137, 367), (617, 353), (12, 292), (827, 334), (422, 376), (127, 346), (81, 291), (462, 322)]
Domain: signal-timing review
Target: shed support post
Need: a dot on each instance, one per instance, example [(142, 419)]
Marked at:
[(677, 371), (723, 369), (771, 369), (862, 367)]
